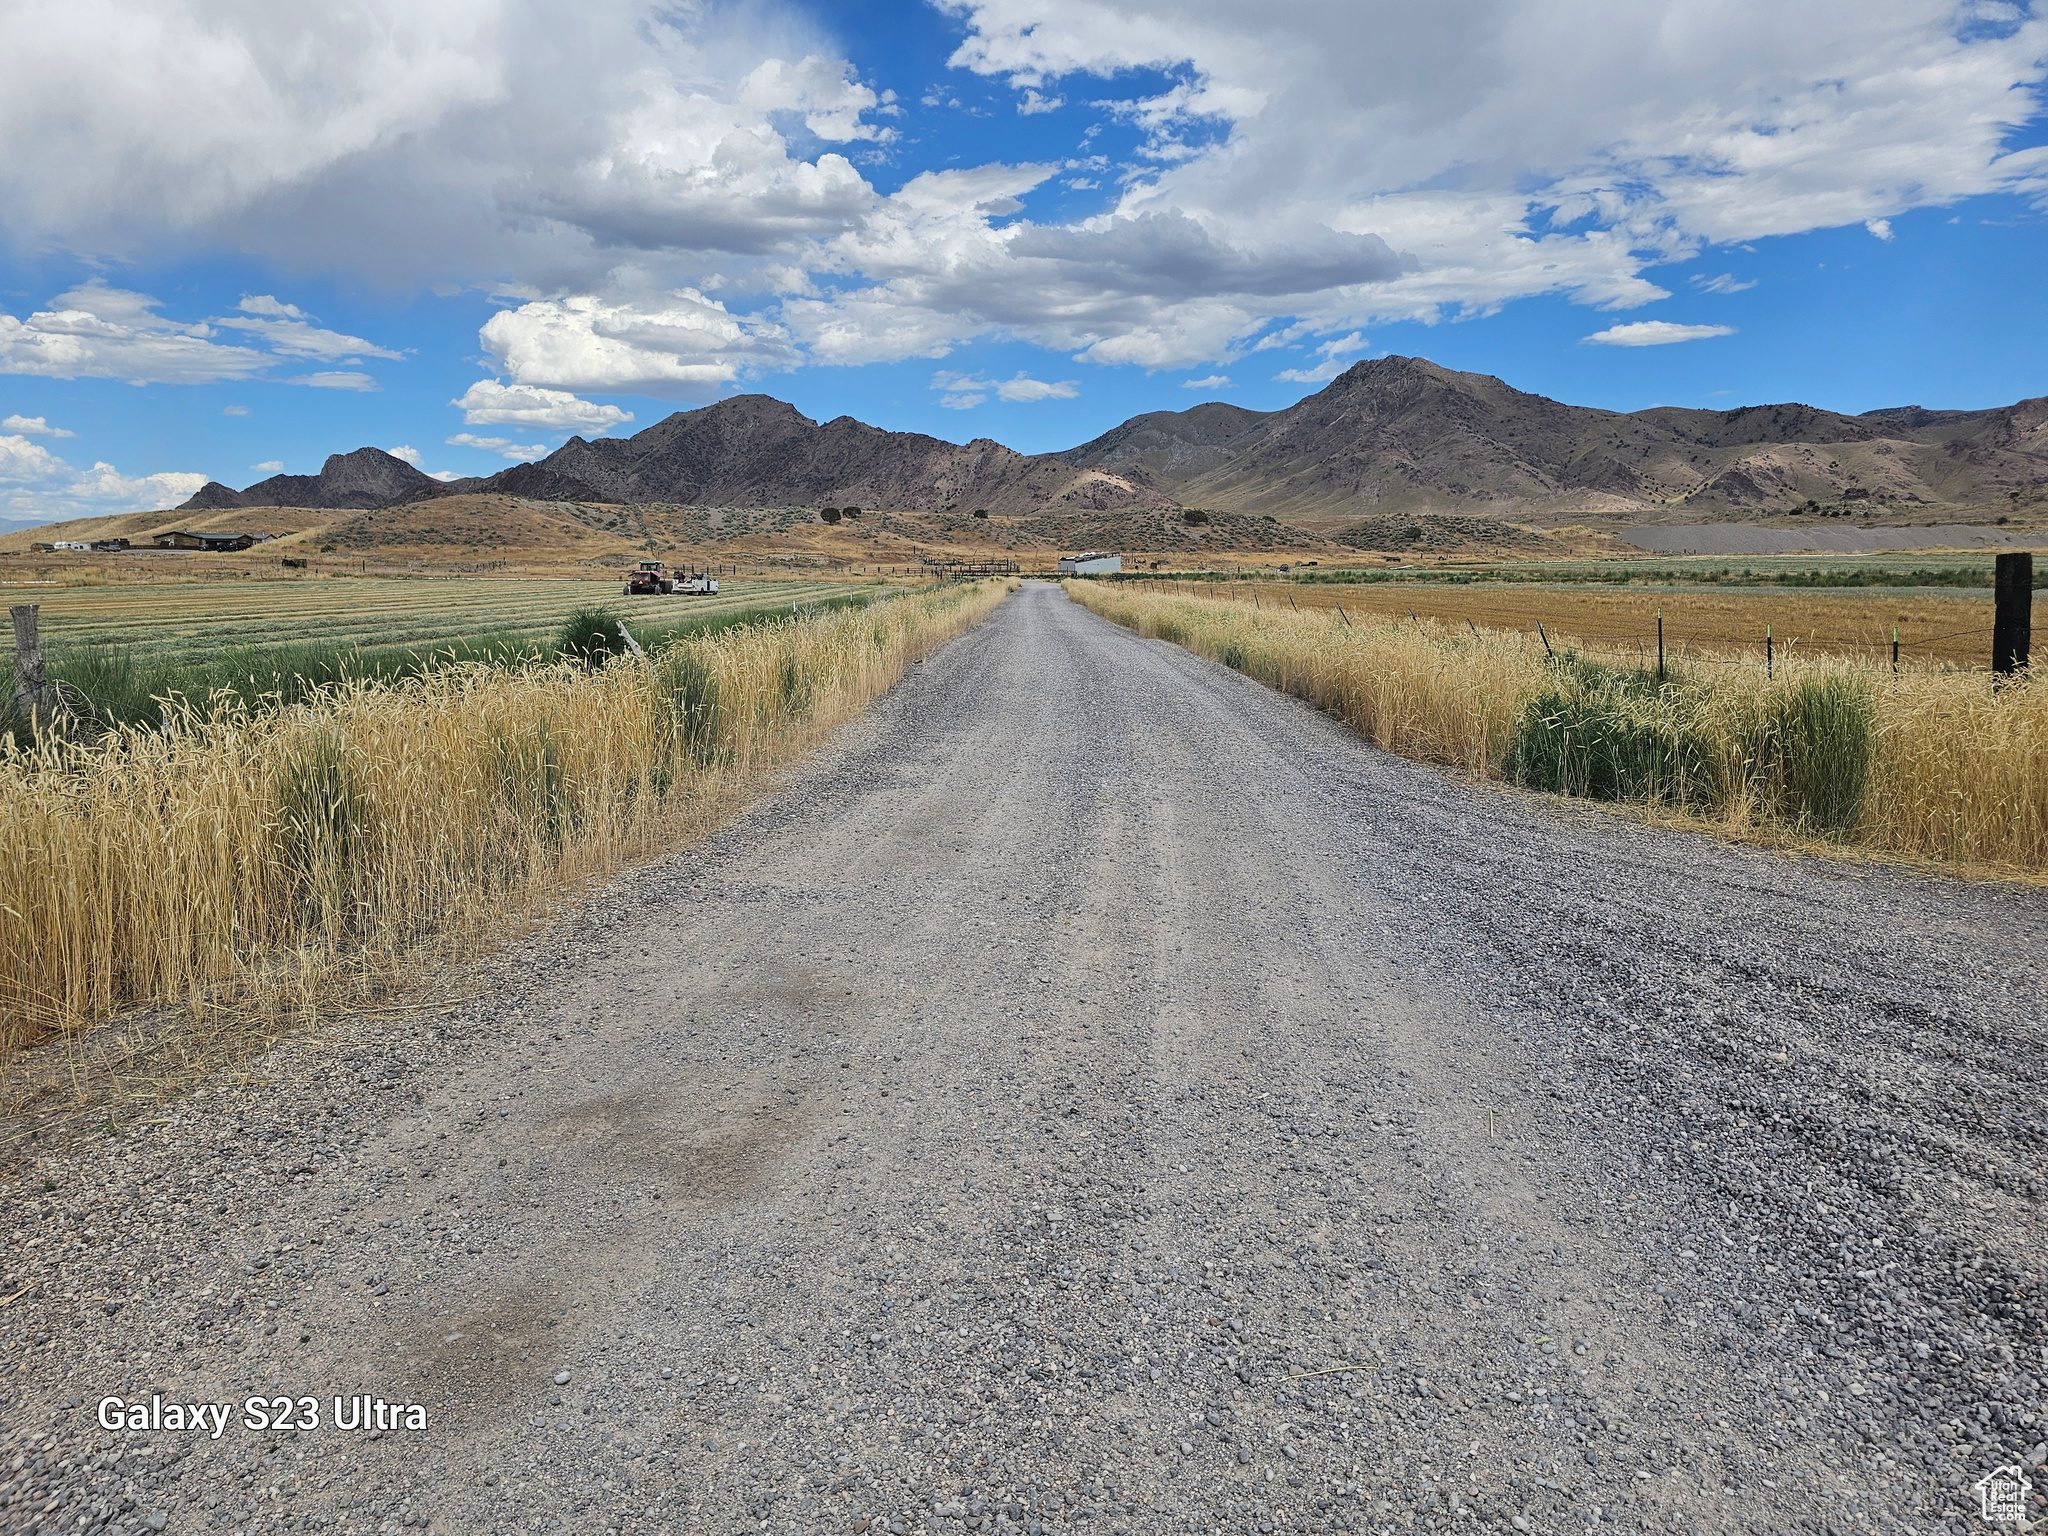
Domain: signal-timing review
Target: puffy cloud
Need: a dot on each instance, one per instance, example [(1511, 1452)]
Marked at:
[(487, 403), (24, 462), (1882, 228), (272, 467), (97, 332), (682, 346), (499, 445), (823, 90), (33, 426), (342, 378), (1512, 147), (1329, 163), (118, 493), (429, 140), (1655, 333), (292, 334), (1021, 390), (1213, 381), (43, 488)]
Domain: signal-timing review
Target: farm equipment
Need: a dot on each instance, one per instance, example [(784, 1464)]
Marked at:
[(648, 579)]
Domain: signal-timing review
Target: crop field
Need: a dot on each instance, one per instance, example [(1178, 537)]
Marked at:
[(1941, 624), (1931, 762), (177, 622), (267, 857)]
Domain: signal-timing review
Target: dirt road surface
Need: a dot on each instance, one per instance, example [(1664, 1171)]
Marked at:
[(1097, 1095)]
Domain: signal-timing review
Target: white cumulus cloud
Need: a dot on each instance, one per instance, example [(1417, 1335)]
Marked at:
[(24, 462), (488, 403), (42, 488), (1655, 333), (33, 426), (1328, 163), (681, 345), (269, 467)]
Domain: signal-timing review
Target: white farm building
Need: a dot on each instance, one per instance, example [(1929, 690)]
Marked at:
[(1090, 565)]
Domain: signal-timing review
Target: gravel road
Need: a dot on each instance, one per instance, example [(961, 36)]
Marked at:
[(1097, 1094)]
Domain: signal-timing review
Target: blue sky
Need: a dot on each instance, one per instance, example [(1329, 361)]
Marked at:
[(467, 228)]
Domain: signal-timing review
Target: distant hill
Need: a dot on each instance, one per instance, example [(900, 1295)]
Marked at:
[(1393, 436)]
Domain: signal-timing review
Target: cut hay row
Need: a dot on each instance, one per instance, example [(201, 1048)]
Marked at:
[(1927, 762), (180, 620), (275, 860)]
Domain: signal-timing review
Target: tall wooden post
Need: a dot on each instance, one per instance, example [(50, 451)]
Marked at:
[(34, 693), (2012, 622)]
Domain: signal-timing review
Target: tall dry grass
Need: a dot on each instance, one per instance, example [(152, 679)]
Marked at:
[(281, 857), (1929, 762)]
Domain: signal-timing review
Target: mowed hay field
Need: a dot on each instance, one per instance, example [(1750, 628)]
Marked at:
[(1935, 624), (185, 620)]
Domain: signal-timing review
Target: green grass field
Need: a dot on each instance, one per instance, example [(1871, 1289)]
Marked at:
[(122, 650)]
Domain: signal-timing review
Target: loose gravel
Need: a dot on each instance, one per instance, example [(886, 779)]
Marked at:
[(1096, 1095)]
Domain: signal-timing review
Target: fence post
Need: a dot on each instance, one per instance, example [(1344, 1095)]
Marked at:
[(1660, 645), (1344, 616), (33, 690), (1770, 661), (2012, 621), (1895, 647), (1546, 641)]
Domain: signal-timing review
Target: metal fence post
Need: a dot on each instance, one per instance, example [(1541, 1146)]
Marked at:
[(2012, 620)]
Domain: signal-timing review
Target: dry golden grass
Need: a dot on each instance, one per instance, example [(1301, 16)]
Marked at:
[(281, 861), (1955, 767), (1857, 622)]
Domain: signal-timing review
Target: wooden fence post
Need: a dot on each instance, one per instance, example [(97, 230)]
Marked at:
[(1770, 660), (33, 690), (2012, 622), (1660, 645)]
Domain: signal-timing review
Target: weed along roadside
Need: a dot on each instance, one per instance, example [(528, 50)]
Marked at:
[(1926, 763), (279, 859)]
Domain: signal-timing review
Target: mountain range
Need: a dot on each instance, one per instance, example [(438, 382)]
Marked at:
[(1392, 435)]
